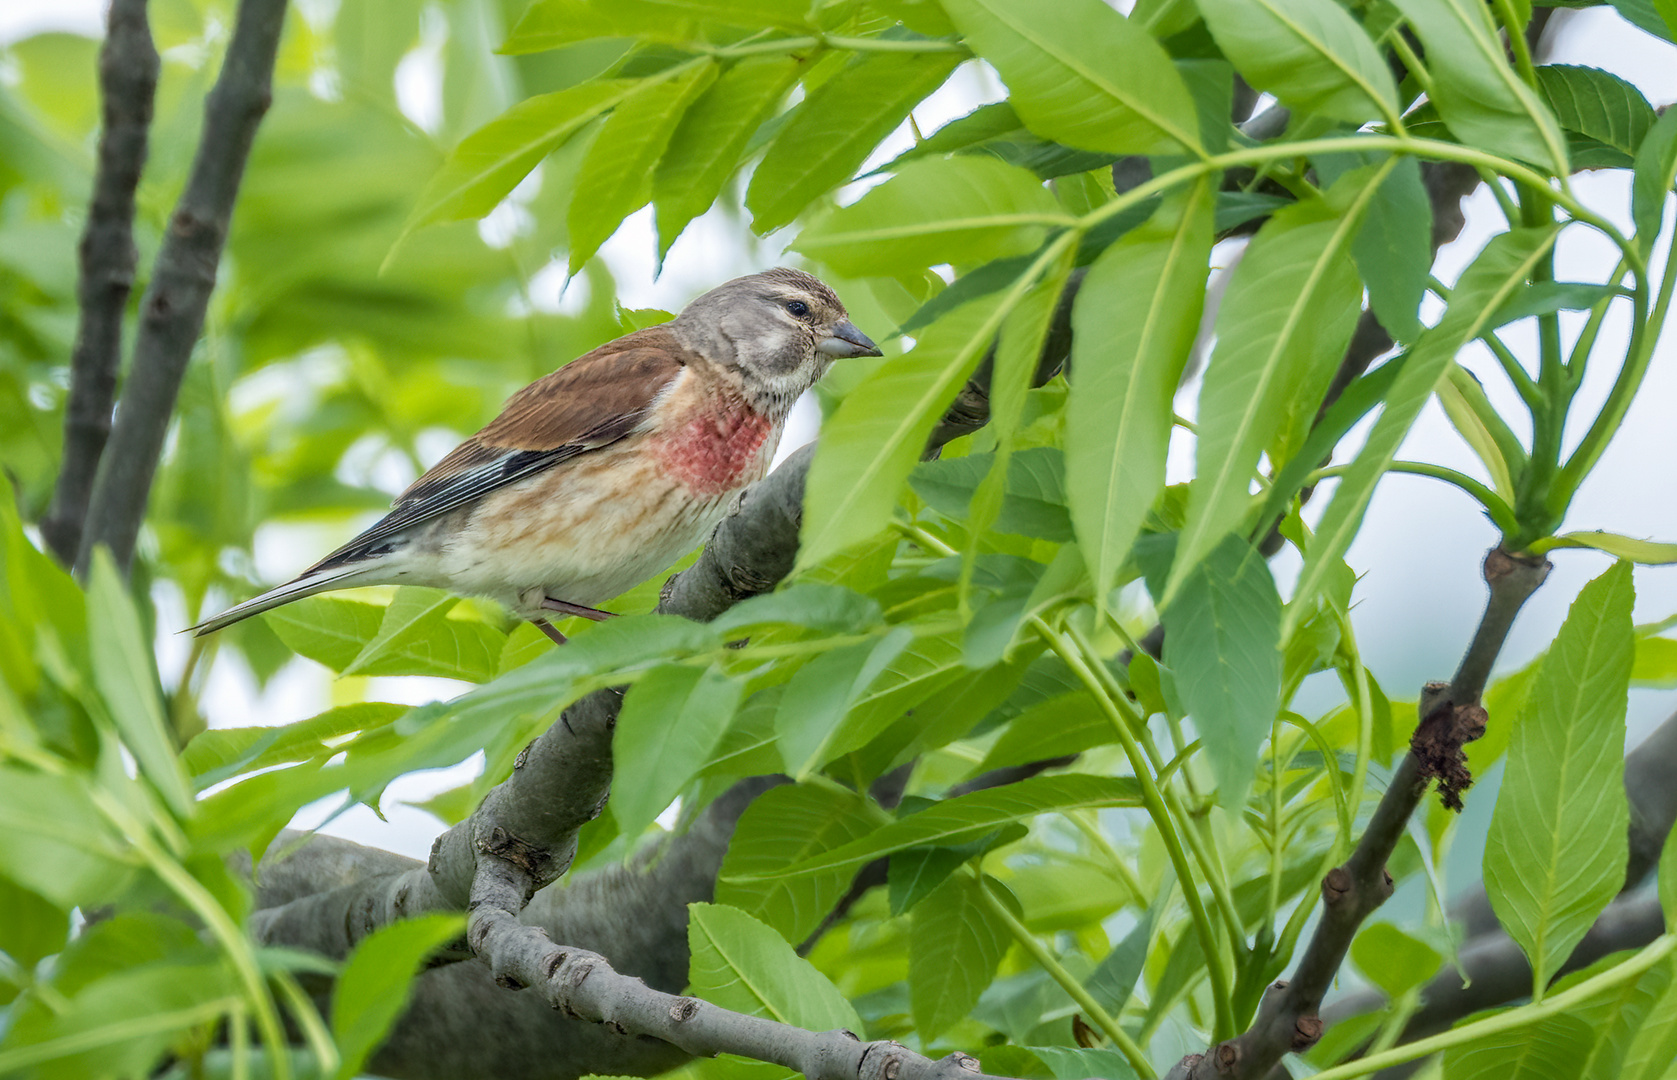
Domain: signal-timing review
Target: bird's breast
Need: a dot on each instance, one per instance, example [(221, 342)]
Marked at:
[(717, 447)]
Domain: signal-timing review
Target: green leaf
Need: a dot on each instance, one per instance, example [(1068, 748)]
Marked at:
[(1132, 329), (784, 826), (330, 630), (123, 671), (816, 701), (706, 146), (672, 720), (1311, 54), (1114, 979), (550, 24), (53, 842), (750, 14), (1646, 552), (34, 927), (966, 818), (1544, 297), (956, 942), (369, 38), (560, 676), (1066, 724), (1668, 878), (835, 129), (120, 1024), (489, 163), (220, 753), (1658, 17), (1619, 1017), (1393, 960), (1598, 104), (1656, 171), (416, 637), (869, 445), (1556, 852), (831, 609), (1475, 86), (1654, 1046), (1281, 332), (1081, 74), (1077, 1062), (740, 964), (1034, 501), (947, 210), (1222, 638), (1554, 1049), (616, 176), (1393, 249), (373, 988), (1498, 272)]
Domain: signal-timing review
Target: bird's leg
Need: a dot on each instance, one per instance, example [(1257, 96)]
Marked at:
[(578, 610), (550, 630)]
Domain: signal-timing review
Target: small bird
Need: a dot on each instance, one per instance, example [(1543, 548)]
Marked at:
[(601, 474)]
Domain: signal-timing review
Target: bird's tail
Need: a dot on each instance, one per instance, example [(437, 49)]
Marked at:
[(341, 577)]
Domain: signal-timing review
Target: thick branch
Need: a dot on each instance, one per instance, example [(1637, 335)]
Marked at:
[(172, 311), (128, 67), (1450, 715)]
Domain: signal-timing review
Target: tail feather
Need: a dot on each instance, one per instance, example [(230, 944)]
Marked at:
[(338, 578)]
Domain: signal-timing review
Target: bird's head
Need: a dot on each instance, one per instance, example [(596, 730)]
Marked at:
[(780, 328)]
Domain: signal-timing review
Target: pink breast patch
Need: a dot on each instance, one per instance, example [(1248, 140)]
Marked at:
[(711, 452)]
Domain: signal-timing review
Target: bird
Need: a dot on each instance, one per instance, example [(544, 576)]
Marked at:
[(604, 472)]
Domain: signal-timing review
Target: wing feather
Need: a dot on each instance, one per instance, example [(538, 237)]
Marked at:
[(594, 401)]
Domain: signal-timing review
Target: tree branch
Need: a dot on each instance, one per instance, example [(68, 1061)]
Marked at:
[(172, 311), (1494, 970), (128, 67), (1450, 716)]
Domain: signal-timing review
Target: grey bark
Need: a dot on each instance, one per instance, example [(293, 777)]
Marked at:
[(128, 69), (172, 310)]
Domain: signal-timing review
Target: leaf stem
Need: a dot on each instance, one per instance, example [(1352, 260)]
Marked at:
[(826, 41), (1500, 512), (215, 917), (1516, 372), (1056, 971), (1212, 868), (1153, 799), (1513, 1019), (1606, 423), (1407, 144)]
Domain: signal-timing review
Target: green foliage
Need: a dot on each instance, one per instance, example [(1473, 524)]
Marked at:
[(372, 988), (947, 618), (1556, 852)]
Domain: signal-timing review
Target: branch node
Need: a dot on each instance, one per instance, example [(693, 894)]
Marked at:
[(507, 982), (553, 963), (964, 1062), (1307, 1031), (1336, 886), (683, 1010), (528, 857)]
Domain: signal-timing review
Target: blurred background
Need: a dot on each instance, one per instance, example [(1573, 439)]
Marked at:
[(322, 387)]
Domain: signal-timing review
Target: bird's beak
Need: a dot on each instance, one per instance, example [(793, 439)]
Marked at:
[(846, 341)]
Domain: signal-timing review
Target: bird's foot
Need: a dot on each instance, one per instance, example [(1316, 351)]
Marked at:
[(550, 630), (550, 604)]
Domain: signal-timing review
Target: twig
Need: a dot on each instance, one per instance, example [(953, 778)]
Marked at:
[(1450, 715), (128, 67), (172, 311)]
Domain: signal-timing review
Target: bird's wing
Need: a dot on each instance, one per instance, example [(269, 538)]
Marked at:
[(592, 402)]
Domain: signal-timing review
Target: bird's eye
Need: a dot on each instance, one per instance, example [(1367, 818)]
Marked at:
[(798, 308)]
